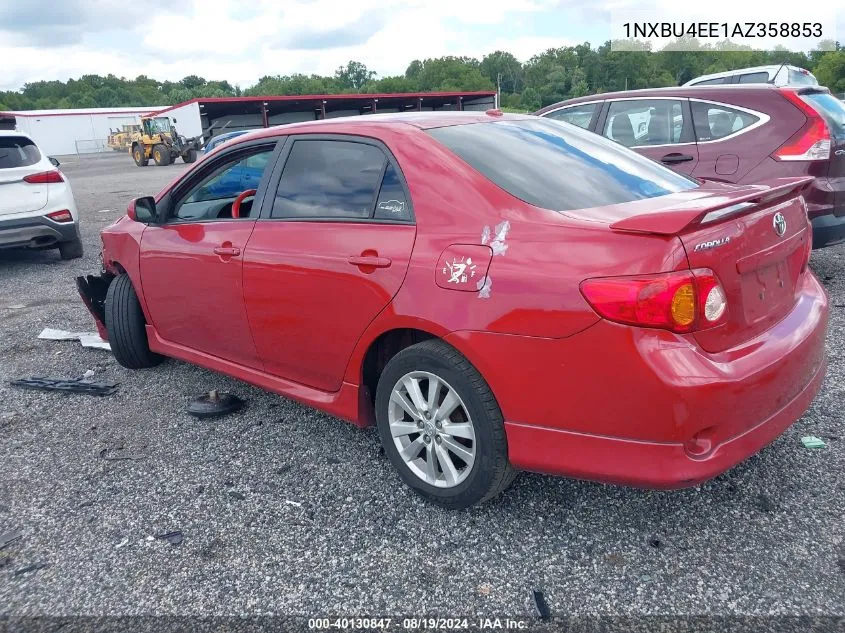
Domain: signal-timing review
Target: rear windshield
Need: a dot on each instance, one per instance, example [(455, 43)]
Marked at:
[(558, 166), (798, 78), (831, 108), (17, 151)]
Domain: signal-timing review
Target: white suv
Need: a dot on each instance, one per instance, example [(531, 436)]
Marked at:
[(778, 75), (37, 209)]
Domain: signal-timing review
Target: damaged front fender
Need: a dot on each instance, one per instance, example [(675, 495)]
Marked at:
[(93, 290)]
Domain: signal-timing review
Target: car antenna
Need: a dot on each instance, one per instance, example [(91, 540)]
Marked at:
[(775, 76)]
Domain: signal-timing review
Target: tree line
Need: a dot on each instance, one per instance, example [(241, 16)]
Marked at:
[(550, 76)]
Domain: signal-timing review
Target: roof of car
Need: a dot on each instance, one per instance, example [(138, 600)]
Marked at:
[(421, 120), (744, 71), (674, 91)]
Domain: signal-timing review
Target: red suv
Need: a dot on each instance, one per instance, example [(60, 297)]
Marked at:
[(737, 134)]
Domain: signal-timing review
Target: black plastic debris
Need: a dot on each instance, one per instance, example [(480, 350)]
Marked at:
[(237, 495), (214, 404), (174, 538), (29, 568), (541, 607), (67, 386), (9, 537)]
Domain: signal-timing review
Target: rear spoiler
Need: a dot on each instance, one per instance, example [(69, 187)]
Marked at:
[(711, 208)]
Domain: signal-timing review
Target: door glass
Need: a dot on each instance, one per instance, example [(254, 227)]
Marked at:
[(329, 179), (579, 115), (644, 122), (212, 197), (714, 121), (754, 78)]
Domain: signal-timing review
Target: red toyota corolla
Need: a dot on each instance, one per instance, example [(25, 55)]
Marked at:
[(495, 293)]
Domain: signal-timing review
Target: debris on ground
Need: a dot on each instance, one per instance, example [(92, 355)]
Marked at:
[(29, 568), (9, 537), (88, 339), (123, 543), (541, 607), (88, 373), (811, 441), (237, 495), (214, 404), (293, 503), (174, 538), (69, 386), (117, 455)]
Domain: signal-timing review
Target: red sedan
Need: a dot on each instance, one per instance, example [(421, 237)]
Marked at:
[(495, 293)]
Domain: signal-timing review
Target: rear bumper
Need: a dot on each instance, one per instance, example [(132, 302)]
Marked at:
[(36, 232), (647, 407)]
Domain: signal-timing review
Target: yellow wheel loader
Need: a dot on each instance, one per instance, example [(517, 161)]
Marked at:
[(159, 140)]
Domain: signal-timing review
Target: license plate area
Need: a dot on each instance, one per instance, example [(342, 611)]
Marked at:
[(766, 290)]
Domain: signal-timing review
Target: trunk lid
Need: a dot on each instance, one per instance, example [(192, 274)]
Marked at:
[(755, 238)]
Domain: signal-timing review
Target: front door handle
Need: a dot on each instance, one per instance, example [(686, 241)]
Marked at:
[(227, 251), (369, 261), (675, 157)]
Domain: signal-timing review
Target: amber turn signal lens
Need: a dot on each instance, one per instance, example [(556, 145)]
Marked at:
[(683, 305)]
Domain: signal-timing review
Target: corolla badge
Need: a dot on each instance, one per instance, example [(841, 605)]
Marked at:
[(711, 244), (779, 224)]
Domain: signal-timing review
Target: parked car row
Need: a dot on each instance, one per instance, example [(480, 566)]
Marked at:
[(498, 292), (740, 134)]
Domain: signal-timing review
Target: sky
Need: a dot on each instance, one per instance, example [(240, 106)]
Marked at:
[(243, 40)]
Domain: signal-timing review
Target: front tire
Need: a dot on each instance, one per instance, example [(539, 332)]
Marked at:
[(139, 155), (126, 326), (161, 155), (71, 250), (441, 426), (190, 156)]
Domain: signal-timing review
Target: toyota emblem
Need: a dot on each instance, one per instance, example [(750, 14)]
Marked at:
[(779, 224)]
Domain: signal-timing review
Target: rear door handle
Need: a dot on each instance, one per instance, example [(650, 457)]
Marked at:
[(372, 262), (674, 157), (227, 251)]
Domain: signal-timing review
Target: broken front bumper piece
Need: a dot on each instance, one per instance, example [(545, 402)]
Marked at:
[(93, 290)]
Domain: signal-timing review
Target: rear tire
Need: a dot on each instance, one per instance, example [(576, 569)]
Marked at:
[(161, 155), (126, 326), (71, 250), (190, 156), (468, 444), (140, 156)]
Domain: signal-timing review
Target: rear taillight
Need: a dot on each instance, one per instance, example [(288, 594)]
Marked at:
[(682, 301), (812, 142), (44, 177), (60, 216)]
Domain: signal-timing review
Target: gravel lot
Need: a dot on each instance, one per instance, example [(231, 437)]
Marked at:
[(286, 510)]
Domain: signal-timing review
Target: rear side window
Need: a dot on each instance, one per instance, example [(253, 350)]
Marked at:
[(18, 151), (330, 179), (754, 78), (392, 203), (801, 78), (714, 121), (831, 109), (579, 115), (556, 166)]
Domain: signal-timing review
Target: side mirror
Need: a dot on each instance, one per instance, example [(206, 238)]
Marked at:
[(143, 210), (54, 161)]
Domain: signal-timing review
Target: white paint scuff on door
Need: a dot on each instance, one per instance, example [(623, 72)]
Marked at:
[(485, 284)]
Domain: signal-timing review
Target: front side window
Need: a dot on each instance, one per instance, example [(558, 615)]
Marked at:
[(710, 82), (330, 179), (643, 122), (212, 197), (579, 115), (714, 121), (558, 167), (17, 151)]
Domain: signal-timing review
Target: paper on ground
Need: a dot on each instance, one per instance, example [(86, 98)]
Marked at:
[(88, 339)]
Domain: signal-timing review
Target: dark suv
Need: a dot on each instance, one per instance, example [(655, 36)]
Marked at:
[(737, 134)]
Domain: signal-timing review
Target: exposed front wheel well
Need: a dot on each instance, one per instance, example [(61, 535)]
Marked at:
[(381, 350)]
